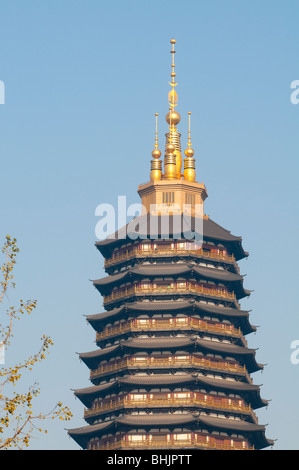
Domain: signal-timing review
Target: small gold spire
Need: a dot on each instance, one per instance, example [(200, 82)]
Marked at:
[(156, 153), (189, 152), (156, 164), (189, 162)]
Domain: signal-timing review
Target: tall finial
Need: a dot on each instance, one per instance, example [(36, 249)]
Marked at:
[(156, 164), (173, 118), (172, 94), (173, 145)]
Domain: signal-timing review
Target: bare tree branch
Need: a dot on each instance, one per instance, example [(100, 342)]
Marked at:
[(17, 421)]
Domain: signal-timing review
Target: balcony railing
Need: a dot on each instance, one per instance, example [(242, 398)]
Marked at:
[(169, 362), (171, 400), (193, 440), (159, 289), (165, 251), (170, 324)]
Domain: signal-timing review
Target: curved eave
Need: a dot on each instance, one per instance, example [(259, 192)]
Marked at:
[(87, 394), (83, 434), (215, 232), (229, 313), (252, 390), (92, 358), (255, 431), (99, 318), (245, 355)]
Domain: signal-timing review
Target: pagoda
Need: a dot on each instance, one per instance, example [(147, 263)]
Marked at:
[(172, 368)]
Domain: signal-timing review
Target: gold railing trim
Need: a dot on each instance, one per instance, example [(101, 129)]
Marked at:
[(121, 293), (130, 253), (125, 401), (171, 362), (170, 324)]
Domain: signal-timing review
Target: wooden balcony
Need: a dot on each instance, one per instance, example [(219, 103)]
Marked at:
[(169, 289), (172, 324), (141, 252), (165, 400), (170, 362)]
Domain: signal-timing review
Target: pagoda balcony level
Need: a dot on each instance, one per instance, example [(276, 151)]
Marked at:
[(169, 400), (172, 289), (171, 324), (143, 251), (171, 362), (174, 274), (167, 428), (239, 392), (188, 307)]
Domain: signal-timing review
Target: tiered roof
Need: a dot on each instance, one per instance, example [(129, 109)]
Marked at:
[(213, 359)]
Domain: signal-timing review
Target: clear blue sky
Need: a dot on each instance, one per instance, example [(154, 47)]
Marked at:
[(83, 80)]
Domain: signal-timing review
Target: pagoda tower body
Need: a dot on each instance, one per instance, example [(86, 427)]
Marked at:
[(172, 368)]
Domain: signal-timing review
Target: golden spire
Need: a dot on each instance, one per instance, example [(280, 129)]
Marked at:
[(172, 192), (173, 145), (172, 96), (173, 117), (156, 164), (189, 162)]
